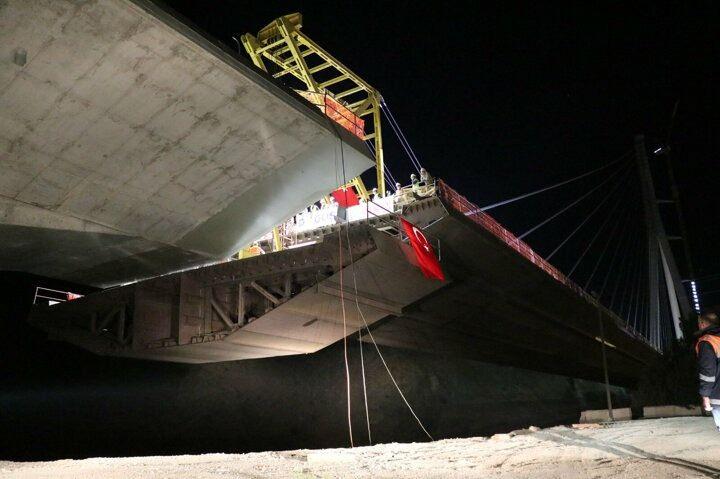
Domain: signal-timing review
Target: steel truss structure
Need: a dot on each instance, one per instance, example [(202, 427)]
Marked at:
[(284, 51)]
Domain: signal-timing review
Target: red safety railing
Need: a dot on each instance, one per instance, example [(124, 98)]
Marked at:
[(344, 117), (473, 212), (336, 111)]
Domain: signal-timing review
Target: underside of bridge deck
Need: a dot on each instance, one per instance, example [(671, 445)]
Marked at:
[(132, 146)]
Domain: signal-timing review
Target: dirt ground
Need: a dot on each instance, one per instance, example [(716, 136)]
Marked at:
[(658, 448)]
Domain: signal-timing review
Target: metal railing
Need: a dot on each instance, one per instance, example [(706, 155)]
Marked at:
[(53, 296), (336, 111)]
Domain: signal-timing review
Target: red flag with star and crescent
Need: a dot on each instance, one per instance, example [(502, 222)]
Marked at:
[(346, 197), (424, 252)]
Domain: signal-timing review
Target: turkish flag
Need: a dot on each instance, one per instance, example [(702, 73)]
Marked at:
[(425, 253), (346, 197)]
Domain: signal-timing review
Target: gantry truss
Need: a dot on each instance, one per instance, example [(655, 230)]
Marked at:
[(282, 50)]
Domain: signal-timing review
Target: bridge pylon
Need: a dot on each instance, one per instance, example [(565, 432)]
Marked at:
[(660, 255)]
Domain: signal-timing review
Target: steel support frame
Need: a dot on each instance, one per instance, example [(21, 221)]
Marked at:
[(286, 37)]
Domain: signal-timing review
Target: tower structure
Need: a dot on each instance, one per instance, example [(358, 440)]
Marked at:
[(660, 255)]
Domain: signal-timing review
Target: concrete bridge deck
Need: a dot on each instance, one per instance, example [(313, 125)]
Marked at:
[(496, 306), (131, 146)]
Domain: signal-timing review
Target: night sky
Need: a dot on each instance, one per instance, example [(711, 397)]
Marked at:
[(501, 98)]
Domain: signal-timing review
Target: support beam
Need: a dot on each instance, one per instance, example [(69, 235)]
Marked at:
[(109, 317), (265, 293), (349, 92), (320, 67), (120, 329), (277, 241), (379, 155), (251, 47), (333, 81), (287, 287), (287, 30), (672, 296), (241, 305), (350, 296), (223, 315)]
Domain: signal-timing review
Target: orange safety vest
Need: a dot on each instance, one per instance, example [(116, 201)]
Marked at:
[(714, 342)]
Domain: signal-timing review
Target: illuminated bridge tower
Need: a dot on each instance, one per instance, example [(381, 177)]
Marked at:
[(660, 256)]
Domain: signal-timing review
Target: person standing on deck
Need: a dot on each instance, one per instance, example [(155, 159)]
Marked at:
[(708, 352)]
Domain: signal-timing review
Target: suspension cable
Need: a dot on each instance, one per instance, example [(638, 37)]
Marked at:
[(551, 187), (632, 274), (595, 210), (635, 302), (615, 255), (625, 265), (595, 237), (602, 256), (588, 193), (640, 281), (637, 296), (623, 269)]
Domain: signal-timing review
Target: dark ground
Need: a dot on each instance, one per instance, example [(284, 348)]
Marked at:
[(58, 401)]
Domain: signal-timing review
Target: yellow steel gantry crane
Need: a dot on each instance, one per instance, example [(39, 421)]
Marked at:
[(281, 49)]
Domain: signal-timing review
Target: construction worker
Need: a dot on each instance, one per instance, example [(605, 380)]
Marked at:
[(414, 182), (375, 195), (425, 177), (708, 352)]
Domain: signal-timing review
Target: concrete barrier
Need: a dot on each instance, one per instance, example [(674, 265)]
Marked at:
[(670, 411), (601, 415)]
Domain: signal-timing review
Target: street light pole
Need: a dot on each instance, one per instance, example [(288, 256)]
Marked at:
[(604, 361)]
